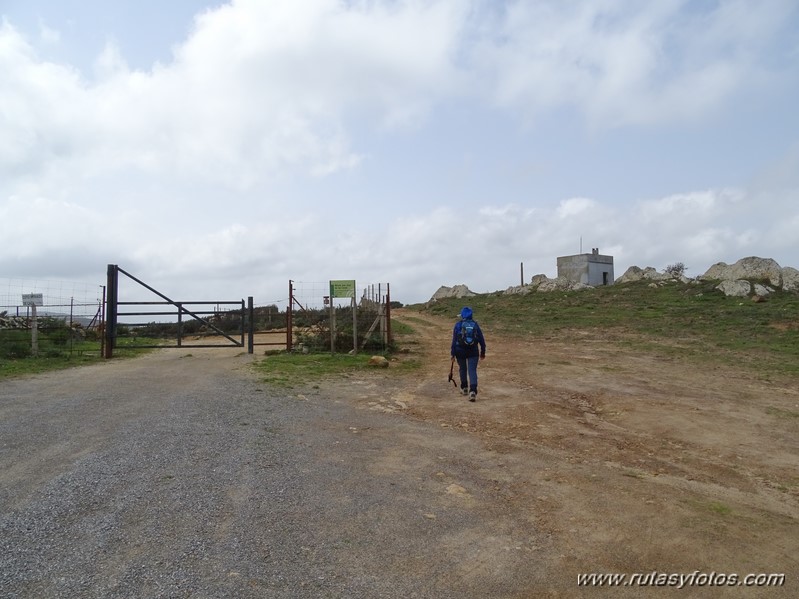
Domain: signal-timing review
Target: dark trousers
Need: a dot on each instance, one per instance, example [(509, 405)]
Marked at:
[(468, 365)]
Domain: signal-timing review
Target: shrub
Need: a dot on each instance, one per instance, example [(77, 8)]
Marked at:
[(675, 270)]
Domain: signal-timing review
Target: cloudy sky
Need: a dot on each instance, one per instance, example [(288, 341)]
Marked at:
[(218, 149)]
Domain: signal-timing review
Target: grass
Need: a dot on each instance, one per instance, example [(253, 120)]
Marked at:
[(684, 321), (677, 320), (50, 359), (288, 369)]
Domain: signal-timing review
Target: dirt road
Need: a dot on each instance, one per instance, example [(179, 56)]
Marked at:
[(622, 462), (181, 475)]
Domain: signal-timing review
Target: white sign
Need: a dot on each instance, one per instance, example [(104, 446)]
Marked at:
[(32, 299)]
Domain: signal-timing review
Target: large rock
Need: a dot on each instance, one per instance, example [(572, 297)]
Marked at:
[(538, 279), (519, 290), (561, 284), (790, 279), (739, 288), (635, 273), (456, 291), (750, 269)]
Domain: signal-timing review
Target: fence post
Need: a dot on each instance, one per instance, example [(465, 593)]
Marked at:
[(250, 325), (34, 332), (289, 318), (111, 310), (388, 313), (354, 326)]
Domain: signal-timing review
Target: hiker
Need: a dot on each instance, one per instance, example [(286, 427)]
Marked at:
[(468, 346)]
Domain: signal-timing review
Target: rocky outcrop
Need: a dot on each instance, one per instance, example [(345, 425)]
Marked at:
[(519, 290), (561, 284), (760, 276), (544, 284), (456, 291), (790, 279), (537, 280), (749, 269), (634, 273), (752, 276)]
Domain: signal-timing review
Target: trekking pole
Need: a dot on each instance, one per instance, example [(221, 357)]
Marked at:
[(451, 368)]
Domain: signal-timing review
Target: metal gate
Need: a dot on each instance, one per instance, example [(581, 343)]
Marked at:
[(208, 319)]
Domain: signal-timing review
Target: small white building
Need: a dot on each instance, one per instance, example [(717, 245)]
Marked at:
[(590, 269)]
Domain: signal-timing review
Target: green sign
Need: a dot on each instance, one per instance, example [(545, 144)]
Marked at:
[(342, 289)]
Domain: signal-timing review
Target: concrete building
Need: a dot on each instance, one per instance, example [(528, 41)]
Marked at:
[(590, 269)]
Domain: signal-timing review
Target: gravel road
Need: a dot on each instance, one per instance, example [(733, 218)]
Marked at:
[(180, 475)]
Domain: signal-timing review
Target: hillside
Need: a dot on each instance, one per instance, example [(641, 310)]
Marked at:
[(637, 428)]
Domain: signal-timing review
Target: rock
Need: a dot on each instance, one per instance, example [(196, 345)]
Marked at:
[(561, 284), (737, 288), (750, 269), (790, 279), (718, 272), (761, 291), (378, 362), (538, 279), (519, 290), (634, 273), (456, 291)]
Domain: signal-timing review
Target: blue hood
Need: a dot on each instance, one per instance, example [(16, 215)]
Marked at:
[(466, 313)]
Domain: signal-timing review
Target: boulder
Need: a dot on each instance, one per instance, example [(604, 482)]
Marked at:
[(538, 279), (378, 362), (737, 288), (750, 269), (456, 291), (790, 279), (519, 290), (635, 273), (561, 284), (761, 290)]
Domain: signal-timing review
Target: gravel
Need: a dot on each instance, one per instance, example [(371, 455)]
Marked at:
[(178, 475)]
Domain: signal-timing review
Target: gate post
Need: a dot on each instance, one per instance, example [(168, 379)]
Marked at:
[(289, 317), (250, 325), (388, 314), (111, 310)]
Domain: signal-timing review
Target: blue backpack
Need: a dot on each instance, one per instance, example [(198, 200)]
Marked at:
[(468, 333)]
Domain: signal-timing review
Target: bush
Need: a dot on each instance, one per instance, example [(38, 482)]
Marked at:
[(15, 343), (675, 270)]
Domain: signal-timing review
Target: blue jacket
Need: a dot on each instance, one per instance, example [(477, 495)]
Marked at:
[(465, 352)]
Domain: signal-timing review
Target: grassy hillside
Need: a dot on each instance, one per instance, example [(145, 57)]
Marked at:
[(680, 320)]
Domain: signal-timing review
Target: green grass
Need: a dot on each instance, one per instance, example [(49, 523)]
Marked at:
[(290, 369), (678, 320), (51, 358)]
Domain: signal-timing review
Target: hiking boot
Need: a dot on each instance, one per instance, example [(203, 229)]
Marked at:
[(464, 391), (473, 396)]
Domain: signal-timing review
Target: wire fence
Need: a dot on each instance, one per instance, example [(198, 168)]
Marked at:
[(320, 320), (65, 313)]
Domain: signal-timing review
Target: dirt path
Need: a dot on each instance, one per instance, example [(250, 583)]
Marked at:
[(179, 474), (624, 463)]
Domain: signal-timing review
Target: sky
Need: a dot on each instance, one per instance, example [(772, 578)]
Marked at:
[(218, 150)]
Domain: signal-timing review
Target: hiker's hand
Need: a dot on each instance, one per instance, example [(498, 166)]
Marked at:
[(483, 357)]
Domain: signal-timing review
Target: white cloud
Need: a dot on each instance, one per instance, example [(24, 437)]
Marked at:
[(575, 206), (196, 172), (628, 62)]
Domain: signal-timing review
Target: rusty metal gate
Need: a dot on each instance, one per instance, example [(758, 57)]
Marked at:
[(181, 309)]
